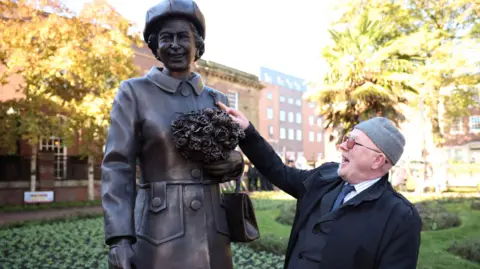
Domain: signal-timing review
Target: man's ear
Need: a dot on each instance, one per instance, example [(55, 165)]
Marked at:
[(379, 161)]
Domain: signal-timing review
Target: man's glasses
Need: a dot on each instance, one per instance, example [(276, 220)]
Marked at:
[(350, 142)]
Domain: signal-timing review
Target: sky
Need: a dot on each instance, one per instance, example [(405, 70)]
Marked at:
[(283, 35)]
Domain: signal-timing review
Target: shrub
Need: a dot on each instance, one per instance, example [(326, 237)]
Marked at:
[(246, 258), (469, 249), (287, 214), (78, 243), (475, 205), (436, 217), (54, 205)]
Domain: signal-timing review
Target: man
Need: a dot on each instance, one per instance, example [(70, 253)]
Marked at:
[(348, 215), (252, 174), (176, 219)]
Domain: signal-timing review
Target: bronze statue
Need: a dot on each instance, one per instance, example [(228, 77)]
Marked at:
[(175, 219)]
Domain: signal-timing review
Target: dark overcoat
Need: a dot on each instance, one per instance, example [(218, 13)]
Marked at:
[(176, 218), (378, 228)]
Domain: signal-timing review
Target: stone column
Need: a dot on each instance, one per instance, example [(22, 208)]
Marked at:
[(91, 190)]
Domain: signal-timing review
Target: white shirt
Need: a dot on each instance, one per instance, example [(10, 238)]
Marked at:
[(359, 188)]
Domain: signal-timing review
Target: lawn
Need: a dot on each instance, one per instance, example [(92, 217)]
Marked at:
[(79, 243)]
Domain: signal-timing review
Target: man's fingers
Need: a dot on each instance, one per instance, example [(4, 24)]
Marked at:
[(235, 119), (225, 108), (222, 106)]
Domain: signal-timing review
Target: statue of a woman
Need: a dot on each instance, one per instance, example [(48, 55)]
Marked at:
[(176, 219)]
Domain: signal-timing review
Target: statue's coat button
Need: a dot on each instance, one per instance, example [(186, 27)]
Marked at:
[(195, 204), (196, 173), (156, 201)]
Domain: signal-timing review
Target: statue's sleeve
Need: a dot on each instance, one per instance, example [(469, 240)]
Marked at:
[(119, 167)]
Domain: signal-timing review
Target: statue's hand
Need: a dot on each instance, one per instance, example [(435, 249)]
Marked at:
[(121, 255), (227, 170)]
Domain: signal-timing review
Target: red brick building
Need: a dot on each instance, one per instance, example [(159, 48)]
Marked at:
[(59, 169), (287, 121)]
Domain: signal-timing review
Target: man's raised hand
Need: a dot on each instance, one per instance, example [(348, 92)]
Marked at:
[(236, 115)]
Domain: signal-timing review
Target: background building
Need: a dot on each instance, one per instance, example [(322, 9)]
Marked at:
[(287, 121)]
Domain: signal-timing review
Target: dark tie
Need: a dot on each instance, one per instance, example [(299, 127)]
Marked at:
[(347, 188)]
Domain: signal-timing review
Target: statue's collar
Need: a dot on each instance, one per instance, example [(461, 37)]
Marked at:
[(171, 84)]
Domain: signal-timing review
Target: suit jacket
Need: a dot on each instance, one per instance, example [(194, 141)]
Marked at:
[(176, 218), (378, 228)]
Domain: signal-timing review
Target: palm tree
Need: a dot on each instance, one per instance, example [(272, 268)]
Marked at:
[(368, 75)]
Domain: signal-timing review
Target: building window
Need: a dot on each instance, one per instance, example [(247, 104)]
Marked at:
[(311, 136), (282, 99), (299, 135), (298, 102), (280, 81), (270, 130), (311, 105), (282, 115), (290, 116), (291, 134), (290, 100), (289, 84), (456, 127), (270, 95), (475, 124), (267, 78), (233, 99), (319, 121), (283, 133), (55, 145), (269, 113), (319, 137), (299, 118), (310, 120)]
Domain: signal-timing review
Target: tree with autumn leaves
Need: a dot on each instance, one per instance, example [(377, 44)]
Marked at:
[(69, 66), (388, 54)]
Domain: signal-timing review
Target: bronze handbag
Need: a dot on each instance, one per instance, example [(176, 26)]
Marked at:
[(240, 216)]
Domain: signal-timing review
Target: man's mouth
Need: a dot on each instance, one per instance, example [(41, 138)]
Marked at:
[(345, 159)]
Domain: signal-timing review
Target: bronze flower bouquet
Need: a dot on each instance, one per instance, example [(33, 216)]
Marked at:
[(207, 135)]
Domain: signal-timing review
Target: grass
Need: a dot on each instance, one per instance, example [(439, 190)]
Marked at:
[(433, 249)]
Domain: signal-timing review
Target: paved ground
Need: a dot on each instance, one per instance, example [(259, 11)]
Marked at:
[(47, 214)]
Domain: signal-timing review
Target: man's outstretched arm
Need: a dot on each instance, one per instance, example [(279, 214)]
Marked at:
[(268, 163)]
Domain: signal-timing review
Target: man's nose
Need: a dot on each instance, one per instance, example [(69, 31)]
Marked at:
[(343, 146)]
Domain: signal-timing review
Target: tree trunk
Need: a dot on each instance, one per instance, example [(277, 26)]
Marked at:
[(435, 119), (91, 190), (33, 169)]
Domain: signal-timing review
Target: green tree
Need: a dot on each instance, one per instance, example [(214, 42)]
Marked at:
[(368, 75), (445, 35), (70, 67)]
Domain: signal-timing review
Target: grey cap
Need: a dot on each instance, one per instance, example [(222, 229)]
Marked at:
[(385, 135)]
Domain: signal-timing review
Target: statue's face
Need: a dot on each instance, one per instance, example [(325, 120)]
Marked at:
[(176, 45)]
